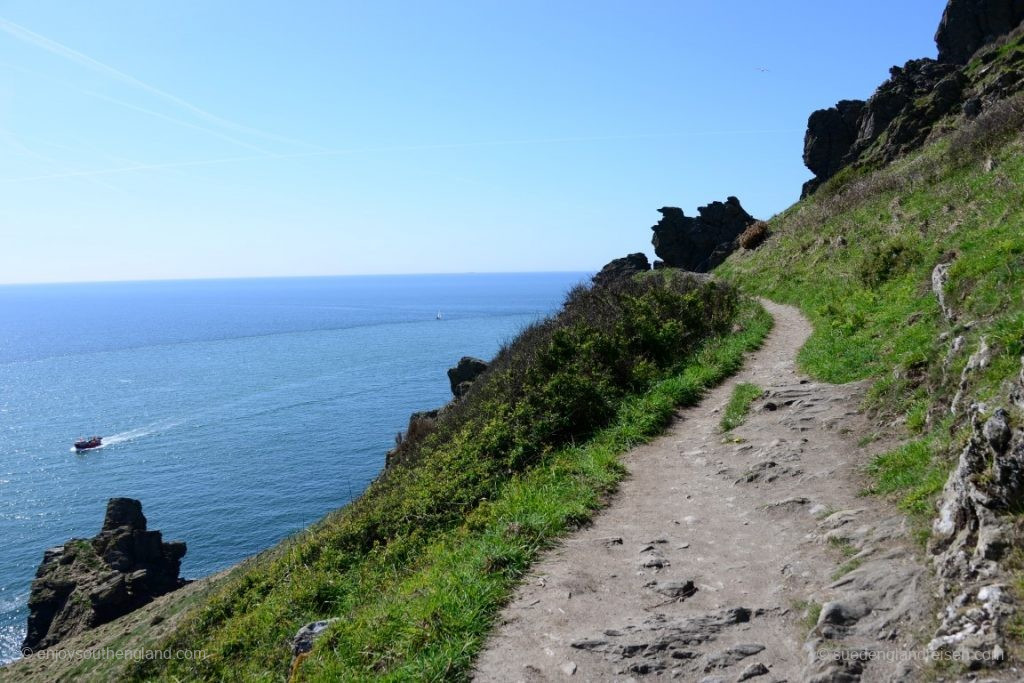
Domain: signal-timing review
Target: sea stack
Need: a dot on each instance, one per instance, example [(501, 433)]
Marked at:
[(88, 582)]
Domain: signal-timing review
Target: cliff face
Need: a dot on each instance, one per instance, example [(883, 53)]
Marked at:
[(968, 25), (88, 582), (906, 109)]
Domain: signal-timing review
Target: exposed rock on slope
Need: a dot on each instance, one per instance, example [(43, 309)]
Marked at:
[(702, 243), (464, 374), (88, 582), (974, 531), (904, 111), (970, 24), (830, 137), (626, 266)]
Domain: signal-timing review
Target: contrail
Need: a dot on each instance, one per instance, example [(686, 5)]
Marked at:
[(371, 150), (12, 140), (134, 107), (32, 38)]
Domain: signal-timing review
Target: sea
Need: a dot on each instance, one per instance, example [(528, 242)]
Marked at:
[(237, 411)]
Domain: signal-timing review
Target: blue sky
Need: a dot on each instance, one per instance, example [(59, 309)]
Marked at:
[(145, 140)]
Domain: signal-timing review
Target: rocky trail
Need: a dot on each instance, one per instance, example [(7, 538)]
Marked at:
[(731, 557)]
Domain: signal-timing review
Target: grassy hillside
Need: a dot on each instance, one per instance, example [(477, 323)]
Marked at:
[(857, 258), (417, 568)]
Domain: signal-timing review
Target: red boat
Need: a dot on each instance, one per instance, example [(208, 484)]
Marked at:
[(91, 442)]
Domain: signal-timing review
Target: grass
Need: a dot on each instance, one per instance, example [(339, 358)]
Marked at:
[(809, 613), (417, 602), (743, 395), (857, 258)]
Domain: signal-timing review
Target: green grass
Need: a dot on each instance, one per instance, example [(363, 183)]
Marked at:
[(809, 612), (743, 395), (857, 260), (417, 602)]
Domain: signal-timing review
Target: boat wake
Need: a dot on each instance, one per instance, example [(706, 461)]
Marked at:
[(134, 434)]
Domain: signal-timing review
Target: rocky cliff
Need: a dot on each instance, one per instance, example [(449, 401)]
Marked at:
[(627, 266), (88, 582), (973, 37), (968, 25), (701, 243)]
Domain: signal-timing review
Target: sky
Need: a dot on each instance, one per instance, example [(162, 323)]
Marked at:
[(196, 139)]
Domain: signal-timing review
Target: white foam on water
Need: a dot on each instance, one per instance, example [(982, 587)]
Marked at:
[(135, 434)]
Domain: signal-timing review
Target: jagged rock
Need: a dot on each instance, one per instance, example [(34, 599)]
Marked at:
[(702, 243), (903, 111), (464, 374), (302, 643), (624, 267), (967, 25), (662, 640), (979, 360), (830, 136), (420, 424), (733, 655), (88, 582), (975, 530), (308, 634)]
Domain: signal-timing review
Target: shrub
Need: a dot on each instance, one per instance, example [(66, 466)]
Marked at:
[(884, 261), (753, 236)]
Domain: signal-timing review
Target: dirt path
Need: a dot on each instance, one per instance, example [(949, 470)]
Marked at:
[(766, 524)]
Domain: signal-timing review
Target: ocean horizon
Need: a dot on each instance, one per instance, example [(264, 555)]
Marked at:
[(238, 410)]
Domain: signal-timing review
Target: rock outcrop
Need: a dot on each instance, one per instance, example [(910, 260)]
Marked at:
[(830, 136), (702, 243), (420, 425), (624, 267), (904, 111), (968, 25), (88, 582), (464, 374), (975, 530)]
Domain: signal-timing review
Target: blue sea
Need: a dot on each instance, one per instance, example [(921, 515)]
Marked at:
[(238, 411)]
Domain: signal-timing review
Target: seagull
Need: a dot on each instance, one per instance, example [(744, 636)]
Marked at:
[(762, 69)]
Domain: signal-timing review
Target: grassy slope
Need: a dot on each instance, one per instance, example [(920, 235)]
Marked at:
[(857, 258), (416, 604)]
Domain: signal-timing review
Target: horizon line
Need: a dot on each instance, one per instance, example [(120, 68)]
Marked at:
[(228, 278)]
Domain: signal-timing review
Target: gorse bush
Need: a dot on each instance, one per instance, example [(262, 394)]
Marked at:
[(560, 383)]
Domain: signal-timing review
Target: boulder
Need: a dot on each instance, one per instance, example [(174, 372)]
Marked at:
[(699, 244), (621, 268), (464, 374), (967, 25), (88, 582)]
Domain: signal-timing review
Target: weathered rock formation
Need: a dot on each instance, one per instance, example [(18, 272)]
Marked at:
[(967, 25), (88, 582), (420, 425), (904, 111), (975, 530), (464, 374), (624, 267), (702, 243)]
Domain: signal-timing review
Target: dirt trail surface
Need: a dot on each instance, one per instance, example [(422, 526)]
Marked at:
[(731, 557)]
